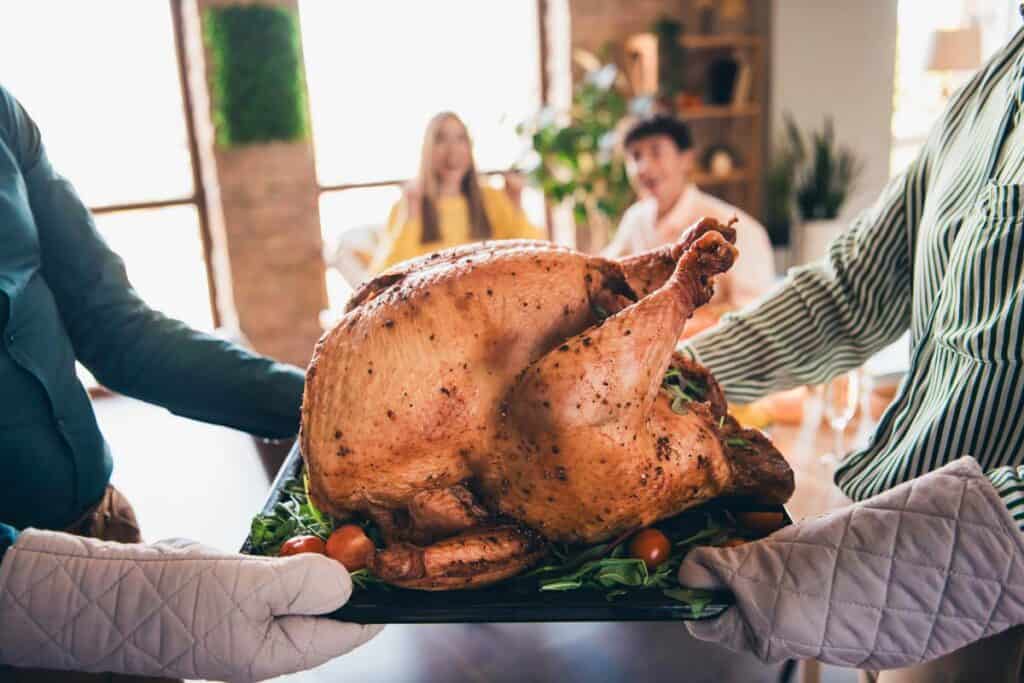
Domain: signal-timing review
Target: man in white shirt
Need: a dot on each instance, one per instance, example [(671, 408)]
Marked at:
[(660, 161)]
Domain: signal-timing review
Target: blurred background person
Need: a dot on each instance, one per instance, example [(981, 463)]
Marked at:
[(660, 163), (446, 205)]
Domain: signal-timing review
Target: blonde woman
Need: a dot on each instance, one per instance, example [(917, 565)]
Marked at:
[(446, 205)]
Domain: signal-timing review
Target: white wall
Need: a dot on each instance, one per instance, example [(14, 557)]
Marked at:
[(837, 57)]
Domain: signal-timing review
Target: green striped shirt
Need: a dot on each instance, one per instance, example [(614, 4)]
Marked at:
[(941, 253)]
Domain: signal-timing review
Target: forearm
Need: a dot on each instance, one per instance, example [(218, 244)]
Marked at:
[(826, 317), (804, 333), (131, 348), (196, 375)]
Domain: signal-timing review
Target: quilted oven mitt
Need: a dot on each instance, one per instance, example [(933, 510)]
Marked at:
[(170, 609), (902, 578)]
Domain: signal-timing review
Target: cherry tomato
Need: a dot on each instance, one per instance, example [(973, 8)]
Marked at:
[(651, 546), (351, 546), (761, 522), (301, 544)]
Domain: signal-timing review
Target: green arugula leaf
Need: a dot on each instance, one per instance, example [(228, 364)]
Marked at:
[(696, 598), (363, 579)]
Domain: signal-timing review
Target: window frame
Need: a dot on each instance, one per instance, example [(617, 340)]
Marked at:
[(542, 41), (197, 199)]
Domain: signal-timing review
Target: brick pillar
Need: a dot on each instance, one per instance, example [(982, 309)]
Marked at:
[(263, 206)]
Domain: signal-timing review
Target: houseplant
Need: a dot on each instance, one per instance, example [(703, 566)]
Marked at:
[(575, 159), (259, 92), (814, 175)]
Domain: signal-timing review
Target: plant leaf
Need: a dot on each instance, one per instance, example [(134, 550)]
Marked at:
[(696, 598)]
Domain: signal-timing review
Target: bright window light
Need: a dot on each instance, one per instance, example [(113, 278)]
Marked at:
[(163, 255), (378, 71), (918, 99), (100, 80)]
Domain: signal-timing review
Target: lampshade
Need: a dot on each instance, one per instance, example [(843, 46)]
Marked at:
[(957, 49)]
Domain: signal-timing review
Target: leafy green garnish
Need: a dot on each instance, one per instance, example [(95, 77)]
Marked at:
[(696, 598), (605, 568), (738, 442), (294, 515), (363, 579), (681, 390), (711, 533)]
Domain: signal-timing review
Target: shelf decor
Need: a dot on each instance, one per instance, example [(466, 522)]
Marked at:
[(259, 92), (721, 80), (725, 68), (719, 161)]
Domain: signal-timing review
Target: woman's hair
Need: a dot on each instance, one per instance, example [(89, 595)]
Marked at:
[(479, 225)]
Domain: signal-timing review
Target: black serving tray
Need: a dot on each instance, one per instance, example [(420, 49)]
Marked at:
[(506, 602)]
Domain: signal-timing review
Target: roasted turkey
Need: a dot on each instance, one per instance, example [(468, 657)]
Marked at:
[(481, 401)]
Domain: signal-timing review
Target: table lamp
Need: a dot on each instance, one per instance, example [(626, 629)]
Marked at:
[(953, 50)]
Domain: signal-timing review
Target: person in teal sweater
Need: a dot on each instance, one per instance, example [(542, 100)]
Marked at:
[(64, 296)]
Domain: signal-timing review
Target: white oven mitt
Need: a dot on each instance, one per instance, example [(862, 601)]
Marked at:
[(169, 609), (902, 578)]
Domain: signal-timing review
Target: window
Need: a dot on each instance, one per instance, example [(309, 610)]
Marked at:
[(158, 250), (102, 84), (378, 71), (919, 97), (108, 103)]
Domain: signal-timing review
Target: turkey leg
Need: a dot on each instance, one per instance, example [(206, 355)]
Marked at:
[(614, 371), (559, 463), (648, 271)]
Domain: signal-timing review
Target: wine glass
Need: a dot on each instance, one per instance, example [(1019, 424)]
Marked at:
[(840, 398)]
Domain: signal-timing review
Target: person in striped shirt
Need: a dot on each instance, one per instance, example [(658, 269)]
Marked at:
[(941, 254)]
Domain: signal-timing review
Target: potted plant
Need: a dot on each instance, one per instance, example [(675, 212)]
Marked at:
[(818, 174), (779, 179), (575, 156)]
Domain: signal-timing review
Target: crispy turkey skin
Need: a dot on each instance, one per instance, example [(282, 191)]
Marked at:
[(478, 401)]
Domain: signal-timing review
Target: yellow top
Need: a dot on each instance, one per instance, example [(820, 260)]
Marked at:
[(401, 240)]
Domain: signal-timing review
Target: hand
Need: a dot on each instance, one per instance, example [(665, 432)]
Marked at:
[(514, 184), (169, 609), (902, 578)]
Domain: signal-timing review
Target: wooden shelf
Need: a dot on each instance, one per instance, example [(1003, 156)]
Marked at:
[(737, 124), (704, 179), (724, 40), (720, 112)]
